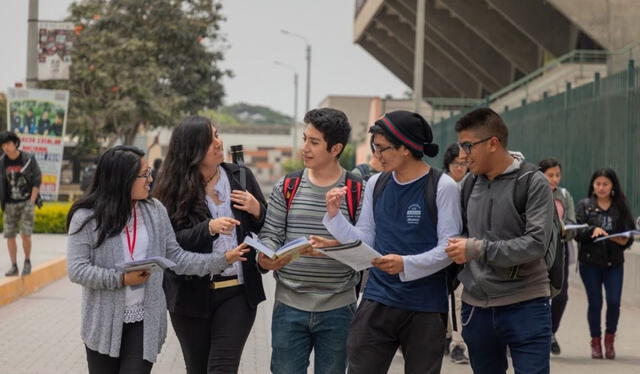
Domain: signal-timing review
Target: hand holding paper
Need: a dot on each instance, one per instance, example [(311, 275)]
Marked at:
[(357, 254), (626, 234)]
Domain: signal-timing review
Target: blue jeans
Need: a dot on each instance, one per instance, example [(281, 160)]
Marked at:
[(294, 333), (594, 277), (524, 327)]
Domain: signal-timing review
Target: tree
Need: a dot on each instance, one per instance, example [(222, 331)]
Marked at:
[(141, 63)]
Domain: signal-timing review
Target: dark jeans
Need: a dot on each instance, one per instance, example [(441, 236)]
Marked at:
[(559, 303), (130, 360), (295, 332), (524, 327), (378, 330), (594, 277), (214, 344)]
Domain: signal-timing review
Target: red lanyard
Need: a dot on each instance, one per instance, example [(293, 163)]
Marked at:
[(132, 243)]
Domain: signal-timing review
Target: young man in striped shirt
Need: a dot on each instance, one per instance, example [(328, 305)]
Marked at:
[(315, 298)]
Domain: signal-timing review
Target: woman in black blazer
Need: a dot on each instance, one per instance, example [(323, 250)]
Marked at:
[(210, 210)]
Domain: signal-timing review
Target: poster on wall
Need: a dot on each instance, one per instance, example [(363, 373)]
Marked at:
[(55, 41), (39, 118)]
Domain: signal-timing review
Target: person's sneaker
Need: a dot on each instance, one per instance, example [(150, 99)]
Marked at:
[(555, 347), (26, 268), (13, 272), (458, 356)]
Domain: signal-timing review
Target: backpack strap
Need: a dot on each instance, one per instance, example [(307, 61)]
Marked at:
[(521, 190), (430, 193), (354, 194), (465, 194), (381, 183), (290, 186)]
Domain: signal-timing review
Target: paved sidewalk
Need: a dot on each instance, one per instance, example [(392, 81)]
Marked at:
[(39, 334), (45, 247)]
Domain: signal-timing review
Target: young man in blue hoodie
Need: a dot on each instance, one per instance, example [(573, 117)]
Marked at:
[(506, 284)]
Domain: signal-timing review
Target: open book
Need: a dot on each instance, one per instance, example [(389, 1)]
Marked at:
[(356, 254), (151, 264), (626, 234), (292, 248)]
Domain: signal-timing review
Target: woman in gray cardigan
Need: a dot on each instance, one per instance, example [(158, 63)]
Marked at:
[(124, 321)]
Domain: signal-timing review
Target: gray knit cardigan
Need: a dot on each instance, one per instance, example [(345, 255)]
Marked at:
[(103, 294)]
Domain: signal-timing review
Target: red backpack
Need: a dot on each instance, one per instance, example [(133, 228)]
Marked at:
[(352, 181)]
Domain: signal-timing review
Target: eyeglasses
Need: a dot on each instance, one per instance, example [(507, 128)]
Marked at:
[(146, 174), (466, 146), (378, 149)]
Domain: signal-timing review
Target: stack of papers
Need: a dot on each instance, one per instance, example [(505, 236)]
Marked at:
[(151, 264), (357, 255), (575, 227), (292, 248), (626, 234)]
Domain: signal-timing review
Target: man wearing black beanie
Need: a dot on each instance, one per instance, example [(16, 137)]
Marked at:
[(409, 212)]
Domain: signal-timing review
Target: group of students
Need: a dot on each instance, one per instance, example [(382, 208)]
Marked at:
[(411, 213)]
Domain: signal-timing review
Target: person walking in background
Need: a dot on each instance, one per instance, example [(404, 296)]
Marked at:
[(505, 277), (601, 263), (409, 212), (124, 319), (315, 298), (455, 167), (211, 212), (564, 206), (20, 179)]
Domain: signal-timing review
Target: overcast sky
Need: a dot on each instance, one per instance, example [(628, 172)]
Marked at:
[(255, 42)]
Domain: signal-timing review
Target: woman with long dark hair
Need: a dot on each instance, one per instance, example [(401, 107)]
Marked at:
[(211, 211), (566, 211), (607, 212), (124, 321)]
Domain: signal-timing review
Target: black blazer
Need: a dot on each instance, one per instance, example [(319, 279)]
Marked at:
[(188, 295)]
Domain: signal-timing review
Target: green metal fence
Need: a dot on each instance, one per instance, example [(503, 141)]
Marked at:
[(592, 126)]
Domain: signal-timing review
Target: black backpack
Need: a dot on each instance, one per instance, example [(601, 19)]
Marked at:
[(430, 192), (554, 255)]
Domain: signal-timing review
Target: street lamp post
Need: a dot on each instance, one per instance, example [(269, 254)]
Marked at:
[(294, 124), (32, 45), (308, 56)]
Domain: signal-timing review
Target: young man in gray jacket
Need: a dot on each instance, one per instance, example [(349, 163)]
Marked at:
[(506, 283)]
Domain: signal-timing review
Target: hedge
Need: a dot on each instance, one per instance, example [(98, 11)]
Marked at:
[(50, 219)]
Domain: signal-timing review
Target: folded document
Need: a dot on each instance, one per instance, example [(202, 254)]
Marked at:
[(356, 254), (626, 234), (150, 264)]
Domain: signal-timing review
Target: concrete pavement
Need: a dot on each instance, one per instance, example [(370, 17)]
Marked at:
[(39, 334)]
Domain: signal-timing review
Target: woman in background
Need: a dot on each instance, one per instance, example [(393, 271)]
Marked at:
[(565, 208), (601, 263)]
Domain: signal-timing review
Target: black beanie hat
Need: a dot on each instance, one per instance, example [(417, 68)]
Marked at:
[(411, 129)]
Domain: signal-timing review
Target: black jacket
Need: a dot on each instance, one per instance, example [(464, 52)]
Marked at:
[(31, 172), (604, 253), (188, 295)]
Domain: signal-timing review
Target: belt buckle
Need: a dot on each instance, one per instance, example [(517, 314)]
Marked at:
[(224, 284)]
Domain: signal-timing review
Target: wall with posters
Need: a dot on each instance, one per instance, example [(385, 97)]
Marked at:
[(39, 117)]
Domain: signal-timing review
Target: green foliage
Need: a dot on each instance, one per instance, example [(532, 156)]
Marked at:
[(292, 164), (50, 219), (348, 157), (141, 63), (255, 114), (3, 112), (220, 118)]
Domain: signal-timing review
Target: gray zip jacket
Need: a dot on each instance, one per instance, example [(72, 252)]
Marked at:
[(103, 294), (506, 259)]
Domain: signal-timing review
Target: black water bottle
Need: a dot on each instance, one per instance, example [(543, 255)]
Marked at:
[(237, 157)]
